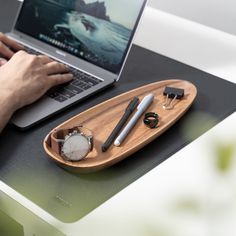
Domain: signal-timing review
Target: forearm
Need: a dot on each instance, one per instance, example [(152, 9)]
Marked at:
[(7, 108)]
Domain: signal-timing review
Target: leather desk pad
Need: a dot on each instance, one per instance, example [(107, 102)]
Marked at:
[(25, 167)]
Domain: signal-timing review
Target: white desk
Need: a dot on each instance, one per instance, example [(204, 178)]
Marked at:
[(189, 179)]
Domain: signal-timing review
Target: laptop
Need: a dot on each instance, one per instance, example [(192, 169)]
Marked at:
[(92, 37)]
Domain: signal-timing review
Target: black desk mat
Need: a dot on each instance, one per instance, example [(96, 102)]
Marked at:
[(25, 166)]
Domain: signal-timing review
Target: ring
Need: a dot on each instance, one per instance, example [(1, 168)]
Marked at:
[(151, 119)]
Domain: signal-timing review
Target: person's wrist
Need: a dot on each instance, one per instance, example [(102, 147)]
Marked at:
[(9, 98)]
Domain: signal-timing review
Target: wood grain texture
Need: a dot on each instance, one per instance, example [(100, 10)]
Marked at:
[(102, 119)]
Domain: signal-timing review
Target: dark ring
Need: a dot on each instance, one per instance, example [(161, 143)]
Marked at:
[(151, 119)]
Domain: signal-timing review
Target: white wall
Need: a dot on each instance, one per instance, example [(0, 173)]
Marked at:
[(220, 14)]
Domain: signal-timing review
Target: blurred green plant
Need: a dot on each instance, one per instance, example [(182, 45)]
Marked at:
[(154, 230), (224, 156), (9, 227), (187, 205), (197, 124)]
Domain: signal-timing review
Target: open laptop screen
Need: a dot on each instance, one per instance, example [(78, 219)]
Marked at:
[(98, 31)]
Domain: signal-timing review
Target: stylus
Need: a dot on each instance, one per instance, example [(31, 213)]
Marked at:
[(130, 108), (145, 103)]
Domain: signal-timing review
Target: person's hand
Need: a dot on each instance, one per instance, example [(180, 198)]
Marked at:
[(25, 78), (8, 47)]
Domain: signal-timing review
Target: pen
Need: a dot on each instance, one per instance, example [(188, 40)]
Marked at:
[(128, 111), (145, 103)]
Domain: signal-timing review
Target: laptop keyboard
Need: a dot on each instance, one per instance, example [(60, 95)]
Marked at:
[(80, 83)]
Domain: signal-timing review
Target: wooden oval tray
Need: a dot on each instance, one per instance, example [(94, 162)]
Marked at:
[(102, 119)]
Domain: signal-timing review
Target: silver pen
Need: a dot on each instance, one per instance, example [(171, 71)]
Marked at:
[(145, 103)]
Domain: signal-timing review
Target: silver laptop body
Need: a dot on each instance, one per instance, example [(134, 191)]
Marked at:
[(91, 36)]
